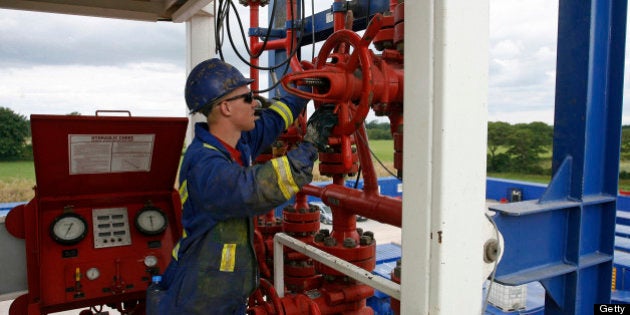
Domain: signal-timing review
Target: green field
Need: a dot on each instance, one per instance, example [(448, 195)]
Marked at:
[(383, 149), (18, 178), (16, 181), (17, 170)]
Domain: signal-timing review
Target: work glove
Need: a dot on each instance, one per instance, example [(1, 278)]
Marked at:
[(319, 126), (263, 103)]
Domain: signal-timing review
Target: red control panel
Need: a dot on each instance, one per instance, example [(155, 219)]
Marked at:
[(105, 216)]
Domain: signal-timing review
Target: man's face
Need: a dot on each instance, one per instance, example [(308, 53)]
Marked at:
[(242, 107)]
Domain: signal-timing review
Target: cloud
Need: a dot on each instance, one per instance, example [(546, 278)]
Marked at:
[(145, 89), (522, 59), (33, 38), (523, 116), (57, 64), (52, 63)]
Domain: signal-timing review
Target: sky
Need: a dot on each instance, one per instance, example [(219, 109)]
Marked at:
[(58, 64)]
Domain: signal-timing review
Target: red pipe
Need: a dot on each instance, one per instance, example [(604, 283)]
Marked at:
[(273, 44), (300, 304), (254, 23), (339, 18), (370, 181), (392, 5), (286, 43), (291, 40), (383, 209), (312, 190)]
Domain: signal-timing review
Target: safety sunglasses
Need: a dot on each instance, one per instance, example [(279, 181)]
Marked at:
[(247, 97)]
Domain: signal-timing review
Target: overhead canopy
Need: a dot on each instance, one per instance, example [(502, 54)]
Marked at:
[(145, 10)]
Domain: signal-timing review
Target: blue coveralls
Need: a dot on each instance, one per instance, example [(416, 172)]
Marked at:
[(214, 268)]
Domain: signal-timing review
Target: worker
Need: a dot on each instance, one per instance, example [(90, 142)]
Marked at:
[(214, 269)]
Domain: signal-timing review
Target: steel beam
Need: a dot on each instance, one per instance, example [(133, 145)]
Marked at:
[(565, 239)]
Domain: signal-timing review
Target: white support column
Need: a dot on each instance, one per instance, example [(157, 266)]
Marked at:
[(446, 66), (200, 45)]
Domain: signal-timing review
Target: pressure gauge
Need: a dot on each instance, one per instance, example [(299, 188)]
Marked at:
[(150, 261), (68, 229), (93, 273), (151, 220)]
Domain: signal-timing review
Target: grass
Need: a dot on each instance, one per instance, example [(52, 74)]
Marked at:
[(383, 149), (17, 170), (18, 178), (16, 190)]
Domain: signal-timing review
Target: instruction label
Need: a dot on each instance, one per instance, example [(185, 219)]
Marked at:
[(110, 153)]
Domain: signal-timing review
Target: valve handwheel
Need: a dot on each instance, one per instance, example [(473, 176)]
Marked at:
[(337, 81), (350, 115)]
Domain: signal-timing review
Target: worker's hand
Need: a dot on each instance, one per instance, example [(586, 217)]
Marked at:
[(319, 126), (263, 103)]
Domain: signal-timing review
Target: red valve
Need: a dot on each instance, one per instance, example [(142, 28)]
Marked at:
[(265, 300), (347, 80), (344, 75)]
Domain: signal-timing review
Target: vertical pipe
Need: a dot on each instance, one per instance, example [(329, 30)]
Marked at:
[(344, 220), (278, 267), (254, 9), (370, 182), (291, 39), (339, 17)]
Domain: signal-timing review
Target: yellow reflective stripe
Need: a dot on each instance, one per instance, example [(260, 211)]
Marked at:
[(176, 248), (175, 251), (277, 169), (205, 145), (284, 111), (285, 177), (183, 191), (228, 258), (290, 181)]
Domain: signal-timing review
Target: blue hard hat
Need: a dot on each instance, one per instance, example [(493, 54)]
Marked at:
[(211, 80)]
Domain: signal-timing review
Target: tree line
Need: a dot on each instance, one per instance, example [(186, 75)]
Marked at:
[(518, 148), (15, 131)]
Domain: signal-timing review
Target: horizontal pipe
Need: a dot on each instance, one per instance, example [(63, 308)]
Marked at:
[(377, 207), (274, 44), (384, 285)]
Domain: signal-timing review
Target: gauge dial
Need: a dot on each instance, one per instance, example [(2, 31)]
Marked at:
[(151, 220), (68, 229), (150, 261), (93, 273)]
